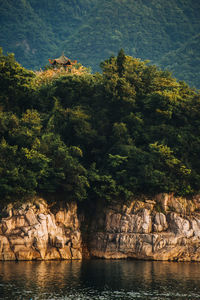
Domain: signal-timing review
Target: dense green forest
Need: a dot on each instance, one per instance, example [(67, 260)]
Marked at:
[(130, 130), (164, 32)]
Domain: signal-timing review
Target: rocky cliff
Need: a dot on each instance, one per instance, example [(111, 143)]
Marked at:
[(166, 228), (33, 232)]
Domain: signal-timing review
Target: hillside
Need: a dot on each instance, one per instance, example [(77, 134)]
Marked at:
[(187, 61), (93, 30), (132, 130)]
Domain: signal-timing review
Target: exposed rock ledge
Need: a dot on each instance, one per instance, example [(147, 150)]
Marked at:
[(141, 232), (165, 229), (34, 233)]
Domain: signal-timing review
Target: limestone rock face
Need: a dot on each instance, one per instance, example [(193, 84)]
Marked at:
[(164, 228), (139, 231), (33, 232), (160, 223)]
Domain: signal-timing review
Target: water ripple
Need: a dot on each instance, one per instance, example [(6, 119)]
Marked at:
[(99, 280)]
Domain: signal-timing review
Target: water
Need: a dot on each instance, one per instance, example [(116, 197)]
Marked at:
[(99, 279)]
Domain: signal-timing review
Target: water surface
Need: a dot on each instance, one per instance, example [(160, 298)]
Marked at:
[(99, 279)]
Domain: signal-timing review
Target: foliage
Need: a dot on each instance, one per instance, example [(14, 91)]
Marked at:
[(134, 129), (15, 83)]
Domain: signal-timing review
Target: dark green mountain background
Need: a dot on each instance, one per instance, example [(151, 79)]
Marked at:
[(165, 32)]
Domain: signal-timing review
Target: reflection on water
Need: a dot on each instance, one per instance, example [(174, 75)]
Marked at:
[(99, 279)]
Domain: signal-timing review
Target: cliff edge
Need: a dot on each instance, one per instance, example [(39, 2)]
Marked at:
[(164, 228)]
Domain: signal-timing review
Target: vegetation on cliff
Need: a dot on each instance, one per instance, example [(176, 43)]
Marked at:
[(131, 129)]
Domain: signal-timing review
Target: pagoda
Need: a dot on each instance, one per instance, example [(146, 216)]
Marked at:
[(62, 61)]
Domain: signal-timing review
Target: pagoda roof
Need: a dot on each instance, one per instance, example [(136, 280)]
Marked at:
[(62, 59)]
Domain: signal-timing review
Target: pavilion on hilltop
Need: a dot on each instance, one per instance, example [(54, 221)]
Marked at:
[(62, 61)]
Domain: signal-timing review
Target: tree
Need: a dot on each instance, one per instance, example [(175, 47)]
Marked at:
[(121, 58), (16, 84)]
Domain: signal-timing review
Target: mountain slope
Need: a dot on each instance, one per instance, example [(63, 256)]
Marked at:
[(92, 30), (187, 61), (144, 29), (24, 32)]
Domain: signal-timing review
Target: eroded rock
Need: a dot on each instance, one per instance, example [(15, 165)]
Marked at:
[(139, 231), (144, 229), (33, 233)]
